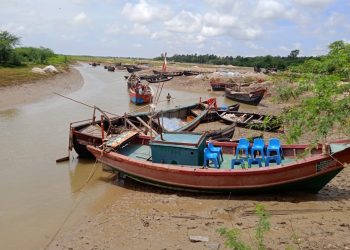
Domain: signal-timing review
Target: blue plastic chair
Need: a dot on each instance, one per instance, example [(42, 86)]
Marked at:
[(243, 145), (274, 158), (254, 161), (235, 162), (258, 146), (208, 156), (274, 147), (217, 150), (223, 107)]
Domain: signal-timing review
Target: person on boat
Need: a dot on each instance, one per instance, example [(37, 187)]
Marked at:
[(168, 97)]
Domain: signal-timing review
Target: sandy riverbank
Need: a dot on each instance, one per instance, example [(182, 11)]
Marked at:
[(151, 218), (17, 95)]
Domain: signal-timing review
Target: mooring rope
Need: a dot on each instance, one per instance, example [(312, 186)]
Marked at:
[(87, 105), (81, 189)]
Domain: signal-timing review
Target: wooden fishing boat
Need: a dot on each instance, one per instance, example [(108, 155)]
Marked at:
[(250, 97), (89, 132), (133, 80), (191, 73), (168, 73), (252, 120), (132, 69), (158, 78), (198, 118), (111, 68), (92, 131), (140, 94), (175, 161), (217, 85), (181, 119)]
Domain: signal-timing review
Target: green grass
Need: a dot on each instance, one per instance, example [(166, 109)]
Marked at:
[(10, 76)]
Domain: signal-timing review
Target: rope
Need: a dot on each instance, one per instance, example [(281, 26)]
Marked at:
[(81, 189), (87, 105), (337, 160)]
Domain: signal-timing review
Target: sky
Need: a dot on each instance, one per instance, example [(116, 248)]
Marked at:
[(147, 28)]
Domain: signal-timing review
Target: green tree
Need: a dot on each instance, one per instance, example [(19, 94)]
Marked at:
[(294, 53), (7, 44), (323, 87)]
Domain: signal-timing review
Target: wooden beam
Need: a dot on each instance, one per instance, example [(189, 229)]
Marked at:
[(132, 125), (146, 125)]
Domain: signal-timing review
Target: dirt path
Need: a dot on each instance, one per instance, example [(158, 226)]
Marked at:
[(65, 82)]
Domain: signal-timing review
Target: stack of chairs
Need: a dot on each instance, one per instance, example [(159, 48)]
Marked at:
[(257, 153), (213, 154)]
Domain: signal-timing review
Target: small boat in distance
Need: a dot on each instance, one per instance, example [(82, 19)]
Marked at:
[(248, 97), (140, 93), (168, 73), (132, 69), (255, 121), (111, 68), (158, 78), (218, 85), (191, 73)]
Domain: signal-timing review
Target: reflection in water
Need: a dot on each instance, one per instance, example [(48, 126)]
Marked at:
[(79, 173), (86, 171)]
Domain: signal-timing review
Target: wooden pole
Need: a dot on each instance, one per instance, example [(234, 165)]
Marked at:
[(102, 129)]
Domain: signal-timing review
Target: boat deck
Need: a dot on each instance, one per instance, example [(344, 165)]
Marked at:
[(140, 152)]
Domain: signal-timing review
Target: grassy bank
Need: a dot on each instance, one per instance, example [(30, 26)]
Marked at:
[(22, 74)]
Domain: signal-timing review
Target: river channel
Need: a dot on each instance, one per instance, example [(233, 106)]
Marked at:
[(40, 197)]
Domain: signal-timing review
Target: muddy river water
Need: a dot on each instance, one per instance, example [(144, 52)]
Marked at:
[(40, 197)]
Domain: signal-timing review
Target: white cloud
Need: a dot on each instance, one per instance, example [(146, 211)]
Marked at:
[(139, 29), (269, 9), (79, 1), (12, 27), (246, 33), (113, 29), (199, 39), (252, 45), (314, 3), (335, 20), (81, 18), (220, 20), (211, 31), (185, 22), (142, 12), (161, 35)]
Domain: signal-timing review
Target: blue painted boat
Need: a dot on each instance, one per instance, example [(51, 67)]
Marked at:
[(140, 94)]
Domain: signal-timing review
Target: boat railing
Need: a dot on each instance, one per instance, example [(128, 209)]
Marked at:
[(76, 122)]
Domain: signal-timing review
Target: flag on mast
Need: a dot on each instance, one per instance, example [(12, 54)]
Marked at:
[(164, 64)]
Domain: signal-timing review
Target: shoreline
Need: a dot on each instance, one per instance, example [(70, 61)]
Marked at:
[(12, 97)]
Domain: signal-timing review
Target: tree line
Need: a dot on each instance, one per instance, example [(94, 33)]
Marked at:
[(12, 56), (268, 61)]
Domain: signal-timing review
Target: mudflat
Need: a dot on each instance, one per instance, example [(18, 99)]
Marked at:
[(64, 82)]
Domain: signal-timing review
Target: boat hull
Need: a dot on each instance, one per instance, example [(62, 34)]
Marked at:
[(251, 99), (308, 175), (139, 99), (218, 86)]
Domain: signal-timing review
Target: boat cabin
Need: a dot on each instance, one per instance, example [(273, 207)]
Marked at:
[(178, 148)]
